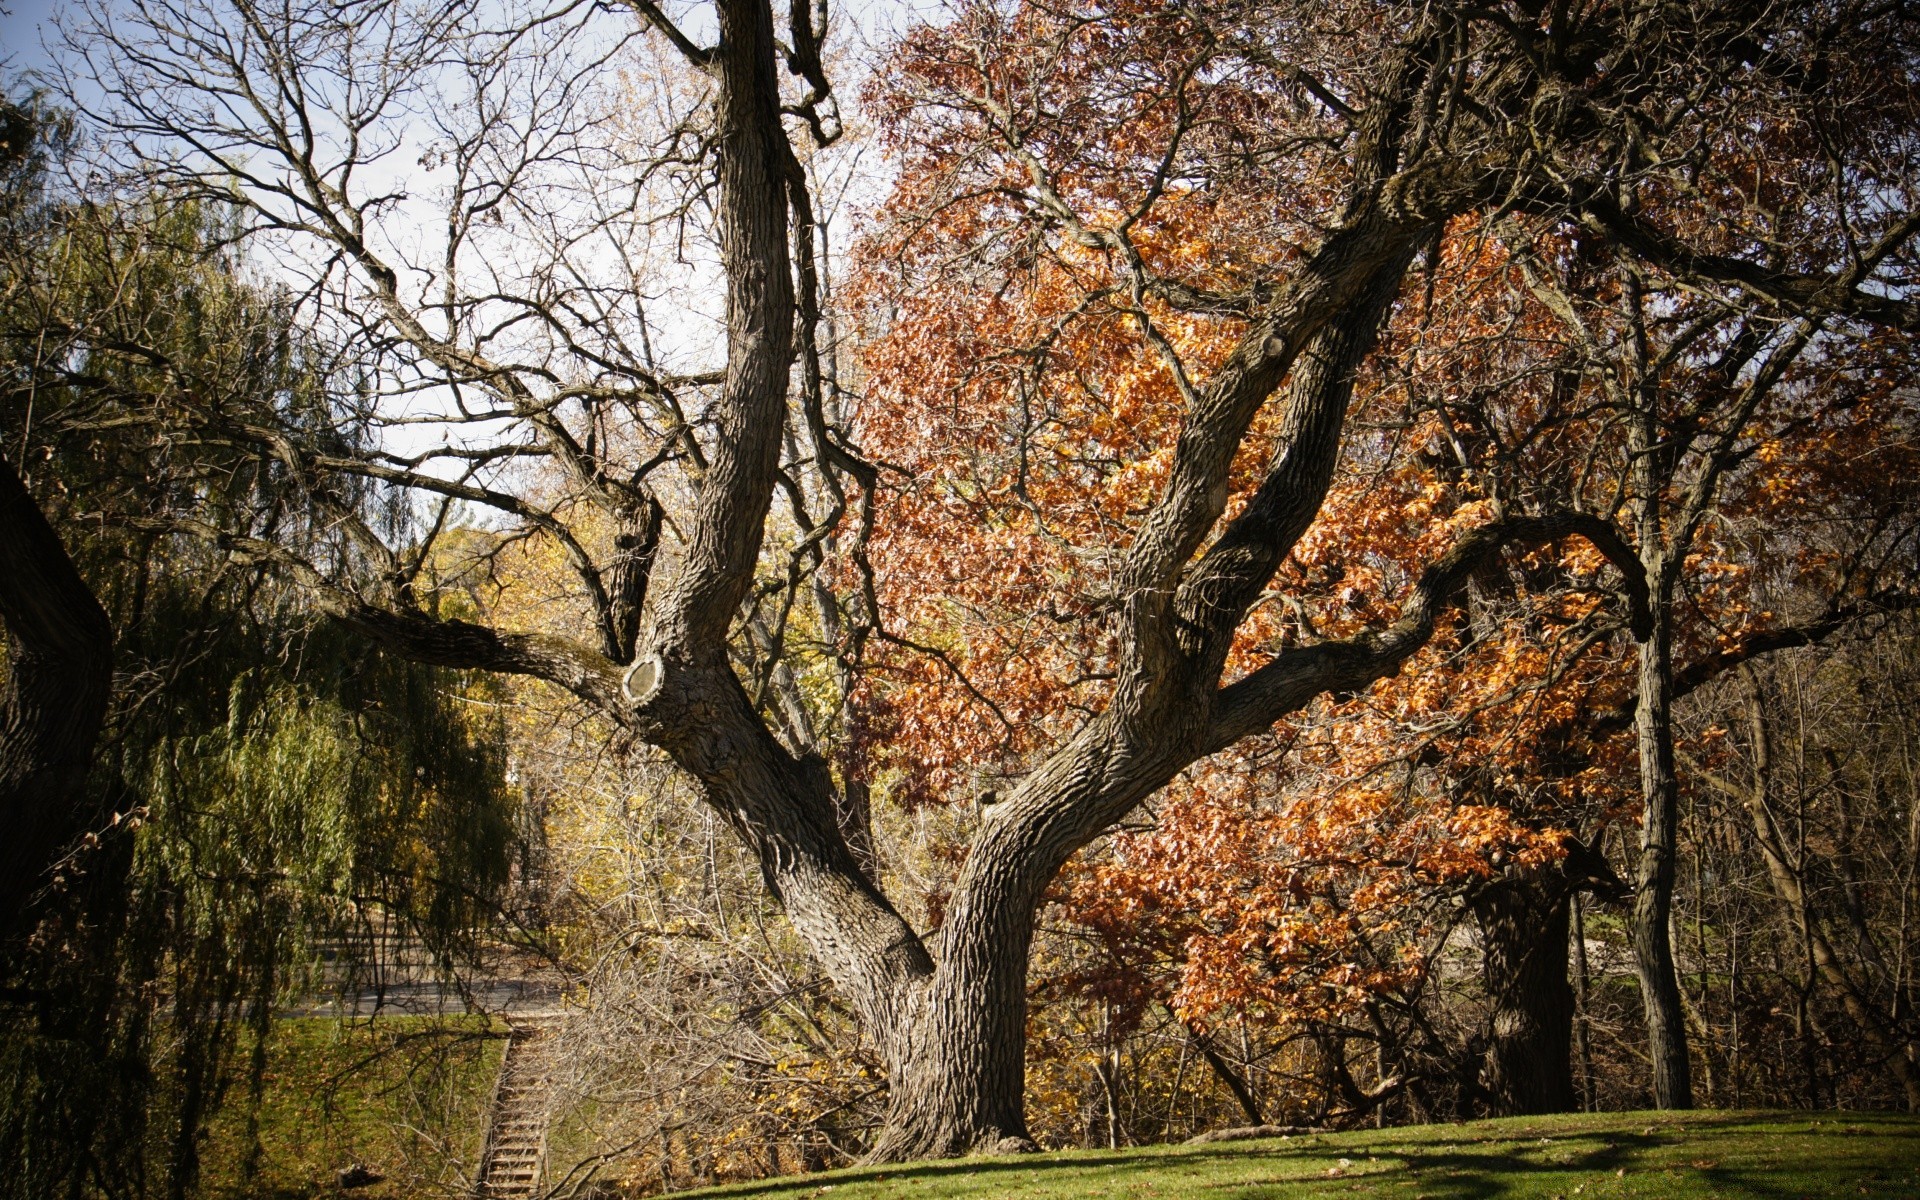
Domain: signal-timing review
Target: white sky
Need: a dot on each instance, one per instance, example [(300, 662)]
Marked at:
[(688, 338)]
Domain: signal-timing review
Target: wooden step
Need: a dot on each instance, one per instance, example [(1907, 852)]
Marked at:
[(510, 1165)]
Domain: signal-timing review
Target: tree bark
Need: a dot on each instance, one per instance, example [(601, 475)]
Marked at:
[(1583, 1037), (1653, 894), (1523, 937), (59, 679)]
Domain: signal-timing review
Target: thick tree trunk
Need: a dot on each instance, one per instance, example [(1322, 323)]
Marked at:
[(1653, 895), (59, 676), (1523, 938), (958, 1067), (961, 1083)]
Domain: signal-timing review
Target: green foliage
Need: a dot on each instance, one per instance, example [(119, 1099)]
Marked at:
[(324, 780), (403, 1096), (266, 783), (316, 801)]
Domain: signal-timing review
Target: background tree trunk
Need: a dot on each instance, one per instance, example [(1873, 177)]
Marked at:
[(59, 678), (1523, 936), (1653, 894)]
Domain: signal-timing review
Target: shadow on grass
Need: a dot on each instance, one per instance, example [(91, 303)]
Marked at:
[(1445, 1174), (1475, 1161)]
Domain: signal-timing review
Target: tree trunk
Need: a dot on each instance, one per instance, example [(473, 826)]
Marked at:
[(1523, 932), (1583, 1036), (959, 1086), (957, 1071), (1653, 896), (59, 678), (1235, 1082)]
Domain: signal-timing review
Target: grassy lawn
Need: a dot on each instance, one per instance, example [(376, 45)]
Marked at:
[(405, 1096), (1766, 1156)]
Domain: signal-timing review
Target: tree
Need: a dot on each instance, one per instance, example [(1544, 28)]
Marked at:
[(1478, 782), (524, 333), (59, 667), (1061, 310), (59, 651), (203, 784)]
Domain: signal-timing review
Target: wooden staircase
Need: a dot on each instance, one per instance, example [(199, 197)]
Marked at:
[(516, 1145)]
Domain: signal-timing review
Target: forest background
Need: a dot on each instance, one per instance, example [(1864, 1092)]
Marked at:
[(1068, 574)]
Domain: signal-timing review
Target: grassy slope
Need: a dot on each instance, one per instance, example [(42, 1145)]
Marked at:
[(403, 1095), (1765, 1156)]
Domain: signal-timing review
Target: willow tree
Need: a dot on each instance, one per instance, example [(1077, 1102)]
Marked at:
[(532, 222), (200, 780)]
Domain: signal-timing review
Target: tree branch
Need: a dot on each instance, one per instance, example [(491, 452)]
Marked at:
[(1293, 678)]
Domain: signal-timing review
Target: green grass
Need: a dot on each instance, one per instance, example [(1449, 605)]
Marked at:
[(1660, 1156), (403, 1095)]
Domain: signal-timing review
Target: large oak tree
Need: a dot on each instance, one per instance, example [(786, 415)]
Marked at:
[(478, 199)]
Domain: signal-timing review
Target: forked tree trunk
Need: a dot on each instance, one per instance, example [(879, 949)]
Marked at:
[(1523, 932), (959, 1086), (958, 1070), (955, 1042)]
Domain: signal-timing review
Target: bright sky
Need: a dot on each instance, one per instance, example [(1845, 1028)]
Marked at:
[(685, 332), (20, 22)]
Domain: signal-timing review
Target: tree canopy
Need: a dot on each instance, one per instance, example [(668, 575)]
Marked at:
[(1282, 486)]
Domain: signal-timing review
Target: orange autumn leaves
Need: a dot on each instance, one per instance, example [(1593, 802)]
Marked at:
[(1013, 376), (1018, 384), (996, 552)]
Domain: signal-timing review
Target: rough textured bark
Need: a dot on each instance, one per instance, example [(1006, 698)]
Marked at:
[(1523, 936), (1653, 892), (59, 677), (636, 542)]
